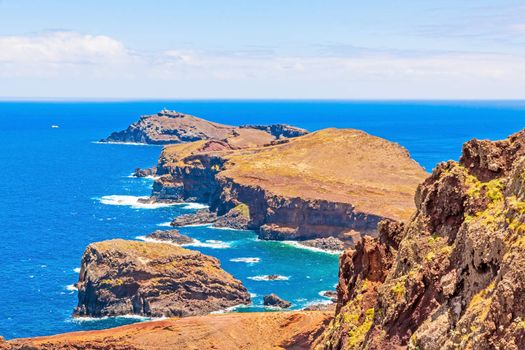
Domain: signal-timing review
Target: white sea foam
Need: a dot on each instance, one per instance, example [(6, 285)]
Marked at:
[(227, 228), (197, 225), (267, 278), (123, 143), (98, 319), (209, 243), (246, 260), (230, 309), (165, 224), (133, 202), (71, 288), (76, 270), (317, 302), (253, 295), (194, 206), (147, 177), (313, 249)]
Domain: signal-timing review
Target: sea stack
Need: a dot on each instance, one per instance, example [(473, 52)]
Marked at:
[(119, 277)]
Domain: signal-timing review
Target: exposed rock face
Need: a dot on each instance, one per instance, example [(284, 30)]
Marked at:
[(279, 130), (331, 183), (275, 300), (331, 294), (171, 236), (200, 217), (120, 277), (458, 277), (261, 331), (237, 218), (171, 127), (145, 172), (328, 243)]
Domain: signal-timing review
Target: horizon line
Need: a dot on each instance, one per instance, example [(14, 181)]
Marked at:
[(203, 99)]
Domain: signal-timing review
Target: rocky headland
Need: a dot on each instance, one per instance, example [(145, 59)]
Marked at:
[(330, 183), (169, 127), (119, 277), (453, 277)]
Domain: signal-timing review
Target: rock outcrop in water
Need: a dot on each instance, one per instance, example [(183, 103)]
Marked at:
[(119, 277), (169, 127), (170, 236), (261, 331), (276, 301), (457, 275), (328, 183)]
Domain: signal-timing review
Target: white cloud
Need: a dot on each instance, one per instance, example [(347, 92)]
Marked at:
[(61, 47), (73, 64)]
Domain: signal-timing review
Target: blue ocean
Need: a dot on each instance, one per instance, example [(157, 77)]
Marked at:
[(61, 190)]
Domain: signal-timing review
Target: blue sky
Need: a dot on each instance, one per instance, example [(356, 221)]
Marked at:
[(263, 49)]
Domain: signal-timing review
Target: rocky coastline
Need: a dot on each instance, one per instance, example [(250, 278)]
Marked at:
[(449, 276), (266, 189)]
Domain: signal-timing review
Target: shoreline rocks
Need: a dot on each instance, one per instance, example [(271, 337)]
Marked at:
[(329, 244), (119, 277), (171, 236), (145, 172), (276, 301)]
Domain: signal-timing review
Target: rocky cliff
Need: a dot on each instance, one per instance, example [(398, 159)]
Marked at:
[(261, 331), (169, 127), (454, 276), (119, 277), (327, 183)]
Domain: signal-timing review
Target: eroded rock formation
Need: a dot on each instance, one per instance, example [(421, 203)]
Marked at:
[(331, 183), (119, 277), (457, 276)]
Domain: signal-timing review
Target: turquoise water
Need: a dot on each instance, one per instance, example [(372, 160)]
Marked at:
[(55, 182)]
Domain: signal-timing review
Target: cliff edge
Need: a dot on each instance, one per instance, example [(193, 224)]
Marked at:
[(454, 276), (333, 182)]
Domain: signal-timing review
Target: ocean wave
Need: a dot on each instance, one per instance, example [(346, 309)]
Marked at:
[(317, 302), (195, 206), (297, 244), (231, 309), (209, 243), (246, 260), (85, 319), (267, 278), (71, 288), (123, 143), (132, 201), (165, 224), (153, 240), (197, 225), (148, 177), (76, 270)]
